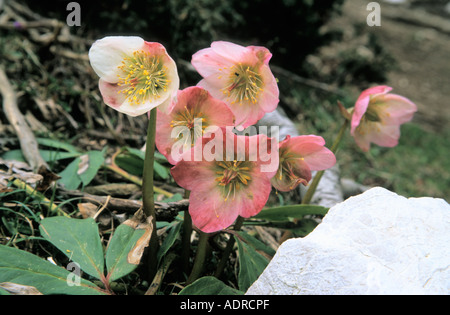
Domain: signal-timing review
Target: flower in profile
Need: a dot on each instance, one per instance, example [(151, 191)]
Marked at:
[(135, 75), (193, 111), (298, 157), (229, 186), (377, 117), (239, 76)]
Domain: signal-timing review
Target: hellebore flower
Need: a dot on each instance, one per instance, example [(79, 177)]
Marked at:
[(377, 117), (135, 75), (229, 186), (193, 111), (298, 157), (239, 76)]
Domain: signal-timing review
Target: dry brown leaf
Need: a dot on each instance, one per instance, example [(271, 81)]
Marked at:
[(19, 289), (139, 222)]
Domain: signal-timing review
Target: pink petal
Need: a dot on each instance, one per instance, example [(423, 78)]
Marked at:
[(230, 51), (399, 109), (111, 95), (207, 62), (210, 212), (363, 102), (311, 149), (197, 100)]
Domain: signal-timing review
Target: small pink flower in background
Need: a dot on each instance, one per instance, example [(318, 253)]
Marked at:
[(222, 190), (135, 75), (239, 76), (298, 157), (192, 112), (377, 117)]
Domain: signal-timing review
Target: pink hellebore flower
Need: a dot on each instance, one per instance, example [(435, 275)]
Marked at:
[(193, 111), (224, 188), (239, 76), (298, 157), (377, 117), (135, 75)]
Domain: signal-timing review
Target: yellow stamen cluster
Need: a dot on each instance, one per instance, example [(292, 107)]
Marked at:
[(191, 119), (244, 84), (143, 78), (232, 176), (286, 168)]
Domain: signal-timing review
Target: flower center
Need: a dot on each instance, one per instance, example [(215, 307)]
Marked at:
[(244, 84), (194, 121), (143, 77), (371, 114), (287, 169), (231, 176)]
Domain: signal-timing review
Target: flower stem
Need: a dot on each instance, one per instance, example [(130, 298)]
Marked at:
[(148, 201), (228, 249), (313, 186), (186, 238), (199, 258)]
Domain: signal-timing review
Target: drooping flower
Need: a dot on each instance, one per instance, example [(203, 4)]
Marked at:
[(298, 157), (135, 75), (377, 117), (239, 76), (193, 111), (229, 186)]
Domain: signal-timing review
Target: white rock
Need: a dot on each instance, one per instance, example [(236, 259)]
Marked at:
[(374, 243)]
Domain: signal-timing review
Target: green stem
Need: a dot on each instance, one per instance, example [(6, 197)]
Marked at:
[(186, 238), (148, 201), (228, 249), (199, 258), (313, 186)]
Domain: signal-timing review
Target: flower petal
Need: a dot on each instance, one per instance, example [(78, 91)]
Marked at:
[(107, 54), (363, 102)]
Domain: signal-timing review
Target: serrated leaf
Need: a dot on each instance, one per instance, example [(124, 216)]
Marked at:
[(22, 268), (209, 286), (285, 213), (79, 240)]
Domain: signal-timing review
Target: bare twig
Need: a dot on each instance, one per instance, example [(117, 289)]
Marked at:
[(164, 211), (26, 137)]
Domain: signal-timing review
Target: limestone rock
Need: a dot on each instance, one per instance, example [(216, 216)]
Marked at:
[(374, 243)]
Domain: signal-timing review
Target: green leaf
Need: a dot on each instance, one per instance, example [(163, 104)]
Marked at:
[(77, 239), (160, 170), (132, 161), (94, 162), (303, 227), (285, 213), (127, 246), (256, 244), (123, 240), (169, 240), (69, 176), (251, 265), (57, 145), (209, 286), (47, 155), (23, 268)]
